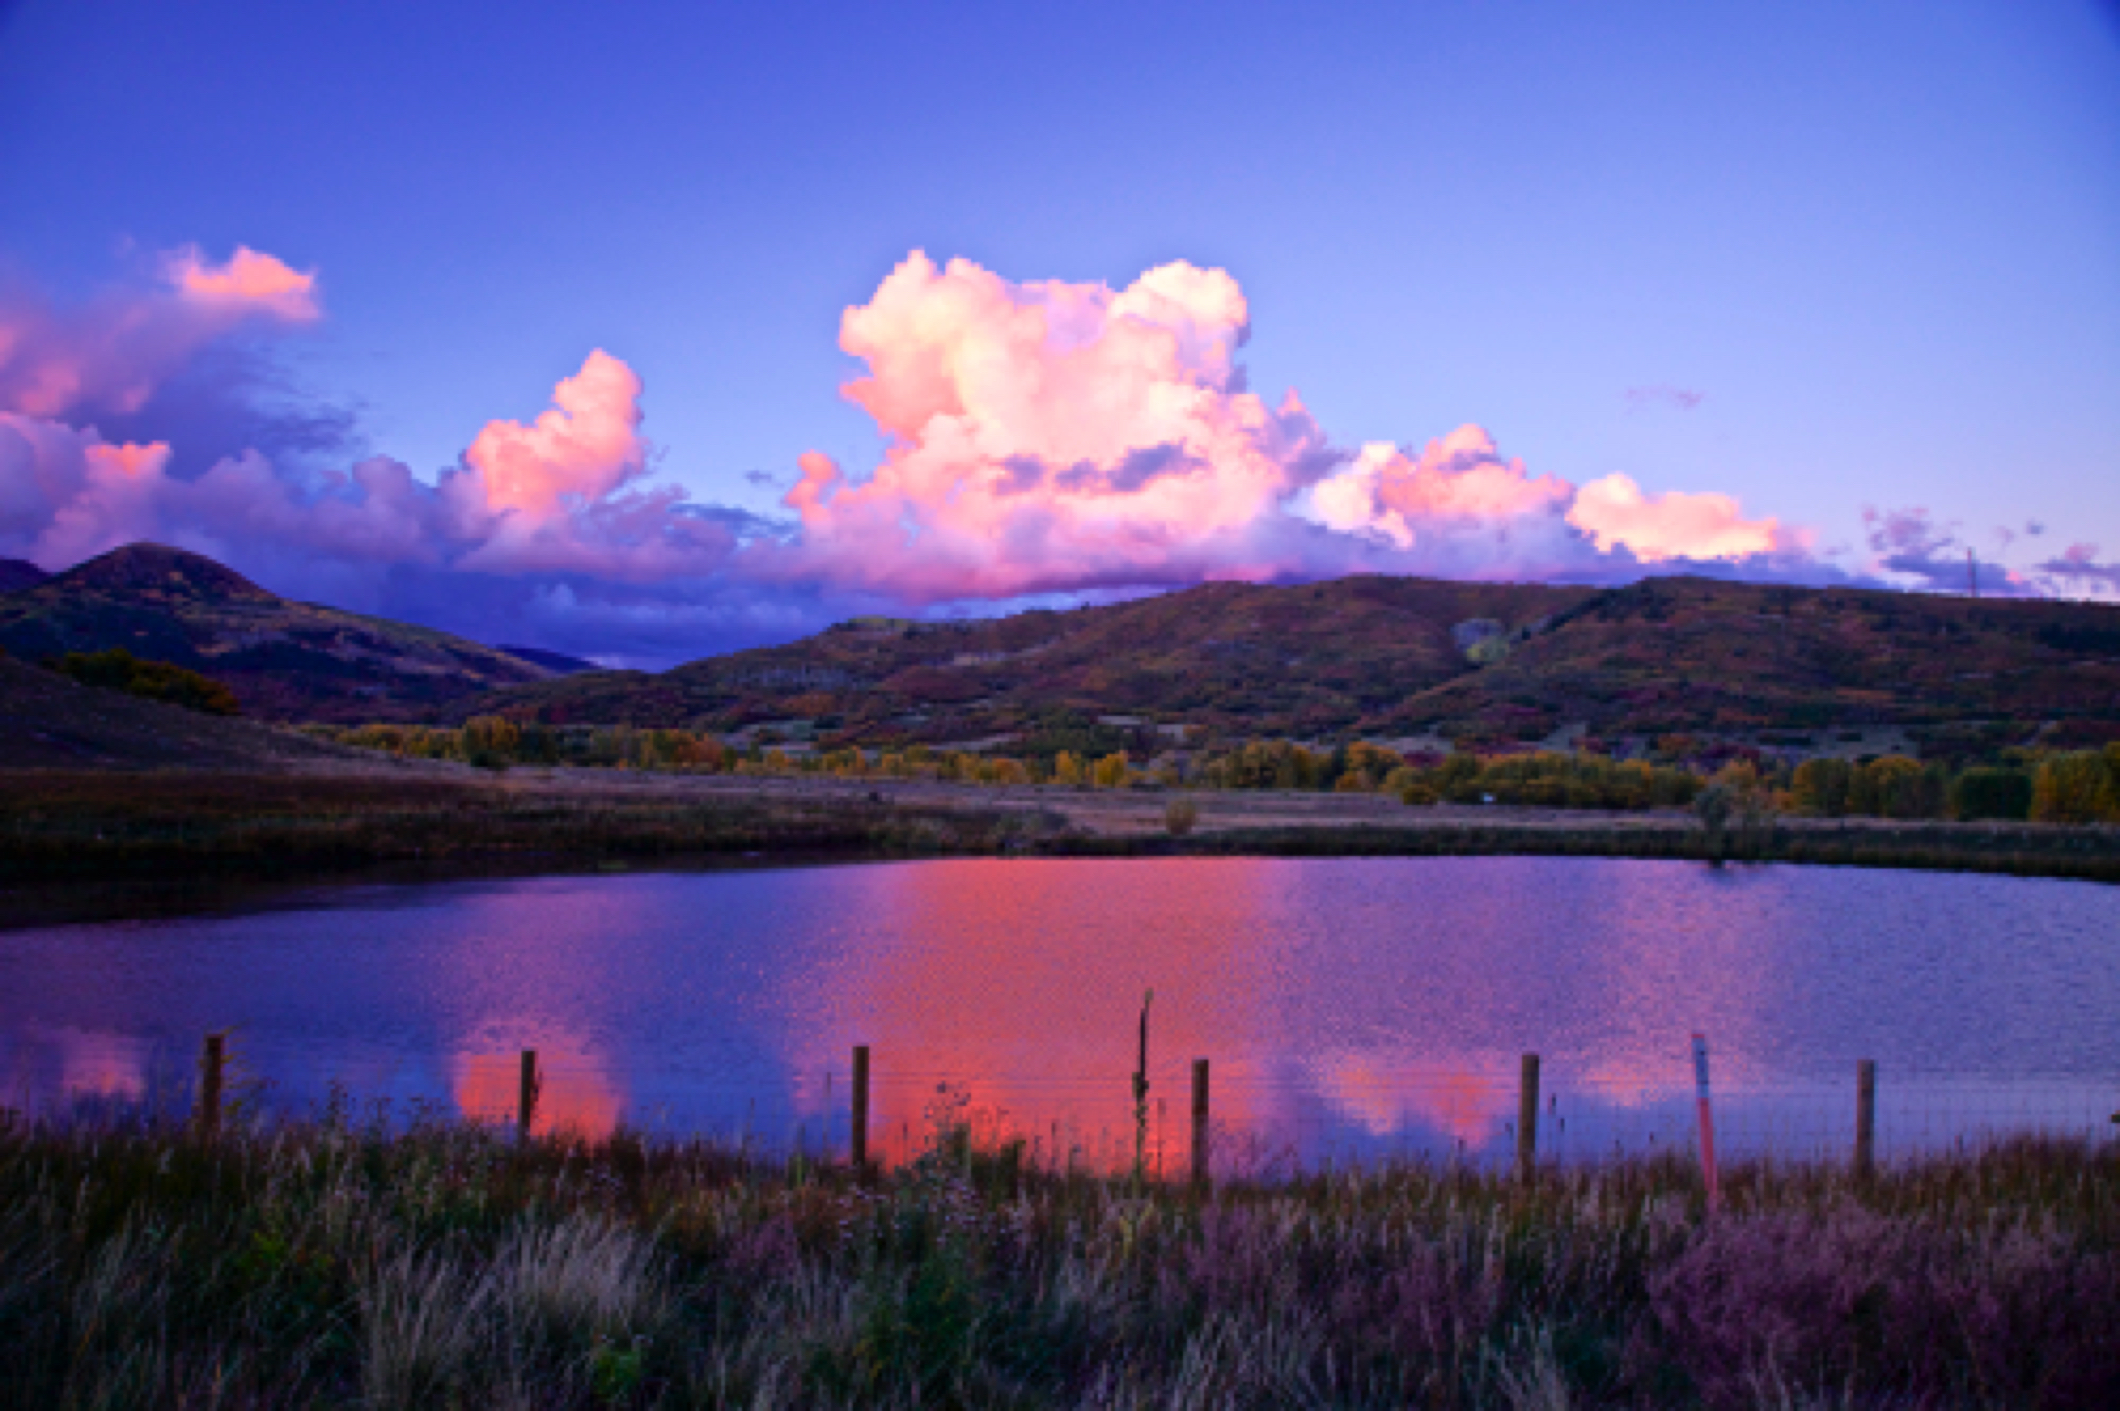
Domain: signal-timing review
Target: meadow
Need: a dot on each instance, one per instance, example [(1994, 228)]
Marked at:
[(353, 1260)]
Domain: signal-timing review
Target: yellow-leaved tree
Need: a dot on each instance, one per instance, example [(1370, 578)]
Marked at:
[(2081, 787)]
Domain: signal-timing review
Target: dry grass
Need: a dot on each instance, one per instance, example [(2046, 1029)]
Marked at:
[(100, 825), (344, 1263)]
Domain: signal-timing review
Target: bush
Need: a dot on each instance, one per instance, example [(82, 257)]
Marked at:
[(1821, 787), (1992, 793), (119, 670), (1179, 816)]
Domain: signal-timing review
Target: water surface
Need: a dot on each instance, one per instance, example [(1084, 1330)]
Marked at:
[(1348, 1007)]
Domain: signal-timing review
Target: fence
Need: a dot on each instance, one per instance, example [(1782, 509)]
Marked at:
[(1175, 1121)]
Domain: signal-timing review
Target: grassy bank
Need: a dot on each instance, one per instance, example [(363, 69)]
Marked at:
[(2091, 854), (100, 825), (104, 827), (336, 1264)]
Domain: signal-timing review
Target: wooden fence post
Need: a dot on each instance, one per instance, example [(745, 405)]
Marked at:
[(1865, 1118), (1201, 1152), (1707, 1121), (1527, 1121), (858, 1129), (526, 1096), (212, 1064)]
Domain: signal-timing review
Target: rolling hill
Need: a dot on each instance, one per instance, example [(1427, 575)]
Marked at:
[(1311, 658), (1489, 664), (16, 574), (49, 722), (284, 660), (1493, 665)]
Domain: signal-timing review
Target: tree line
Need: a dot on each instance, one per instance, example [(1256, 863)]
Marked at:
[(2075, 787)]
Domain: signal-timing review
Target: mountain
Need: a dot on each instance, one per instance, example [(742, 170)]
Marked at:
[(558, 663), (19, 573), (284, 660), (1306, 659), (1490, 664)]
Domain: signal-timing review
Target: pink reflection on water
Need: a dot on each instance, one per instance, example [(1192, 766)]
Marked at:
[(1387, 1093), (1018, 1002), (576, 1095), (525, 970), (93, 1064)]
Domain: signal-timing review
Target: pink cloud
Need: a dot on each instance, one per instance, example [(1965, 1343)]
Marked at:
[(587, 445), (111, 354), (2078, 570), (561, 495), (1461, 508), (250, 282), (1049, 435), (1615, 513), (554, 497), (1457, 502)]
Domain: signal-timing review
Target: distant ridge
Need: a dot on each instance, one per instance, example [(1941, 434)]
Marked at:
[(558, 663), (284, 660), (16, 574), (1490, 665)]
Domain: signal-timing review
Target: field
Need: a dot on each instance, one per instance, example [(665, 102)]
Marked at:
[(345, 1261)]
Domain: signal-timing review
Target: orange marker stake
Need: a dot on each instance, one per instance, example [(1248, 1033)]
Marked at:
[(1707, 1119)]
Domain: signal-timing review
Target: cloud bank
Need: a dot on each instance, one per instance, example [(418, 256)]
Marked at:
[(1042, 440)]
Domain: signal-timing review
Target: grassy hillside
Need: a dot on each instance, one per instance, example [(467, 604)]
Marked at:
[(48, 721), (1314, 658), (1488, 664), (16, 574), (1678, 654), (284, 660)]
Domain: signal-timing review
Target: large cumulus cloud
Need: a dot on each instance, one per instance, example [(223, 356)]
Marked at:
[(1050, 436)]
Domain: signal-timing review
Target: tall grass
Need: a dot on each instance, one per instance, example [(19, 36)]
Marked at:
[(339, 1262)]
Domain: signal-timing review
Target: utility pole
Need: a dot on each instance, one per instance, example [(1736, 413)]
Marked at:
[(1972, 575)]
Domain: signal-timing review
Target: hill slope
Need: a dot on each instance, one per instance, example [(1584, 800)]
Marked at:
[(1389, 657), (47, 721), (1690, 654), (284, 660), (1311, 658), (16, 574)]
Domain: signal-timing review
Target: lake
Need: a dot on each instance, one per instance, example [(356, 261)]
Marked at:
[(1350, 1008)]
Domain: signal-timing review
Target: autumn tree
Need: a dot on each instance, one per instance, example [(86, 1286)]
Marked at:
[(2081, 787), (1821, 787)]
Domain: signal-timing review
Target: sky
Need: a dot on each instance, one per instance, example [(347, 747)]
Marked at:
[(652, 331)]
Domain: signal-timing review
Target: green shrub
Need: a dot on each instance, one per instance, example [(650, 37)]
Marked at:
[(119, 670), (1984, 792)]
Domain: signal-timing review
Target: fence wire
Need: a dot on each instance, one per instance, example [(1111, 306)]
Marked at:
[(1257, 1125)]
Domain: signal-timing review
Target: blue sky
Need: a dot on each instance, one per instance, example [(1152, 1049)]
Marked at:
[(1879, 244)]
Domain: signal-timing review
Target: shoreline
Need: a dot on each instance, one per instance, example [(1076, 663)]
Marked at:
[(145, 836)]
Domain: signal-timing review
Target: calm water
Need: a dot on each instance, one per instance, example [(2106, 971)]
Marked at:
[(1349, 1007)]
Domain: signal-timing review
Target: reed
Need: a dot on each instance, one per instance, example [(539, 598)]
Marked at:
[(349, 1260)]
